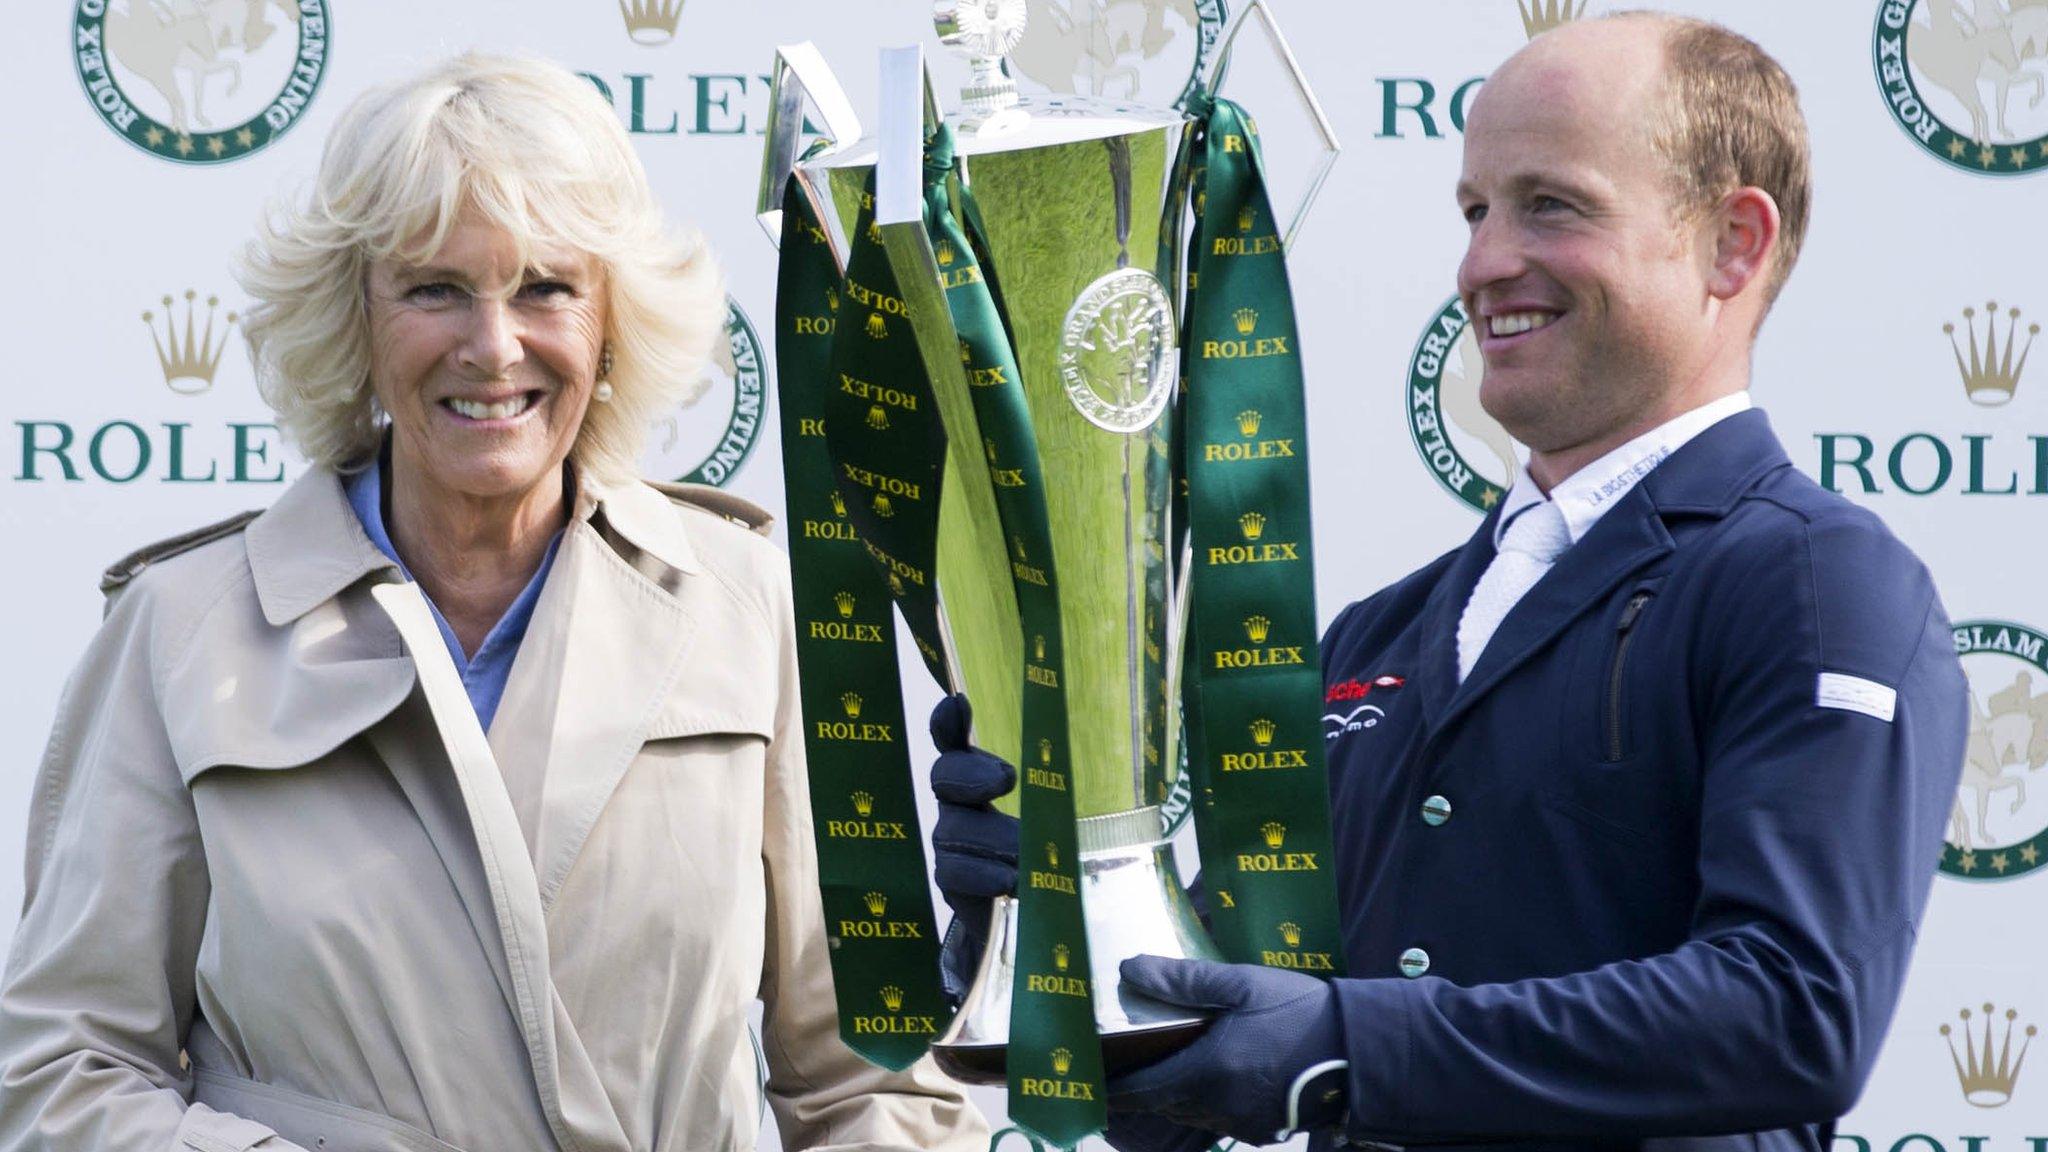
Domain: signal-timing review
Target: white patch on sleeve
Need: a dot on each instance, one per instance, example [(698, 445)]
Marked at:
[(1855, 694)]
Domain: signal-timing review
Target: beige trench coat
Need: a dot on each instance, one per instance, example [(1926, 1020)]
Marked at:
[(269, 831)]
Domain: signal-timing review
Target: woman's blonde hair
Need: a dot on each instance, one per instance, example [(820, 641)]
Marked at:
[(530, 148)]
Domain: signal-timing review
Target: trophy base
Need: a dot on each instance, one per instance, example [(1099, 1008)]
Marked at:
[(1133, 904)]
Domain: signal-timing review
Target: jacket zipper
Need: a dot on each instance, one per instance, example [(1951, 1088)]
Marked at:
[(1624, 632)]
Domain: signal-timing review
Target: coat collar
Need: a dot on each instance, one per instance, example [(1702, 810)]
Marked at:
[(1706, 476), (309, 546)]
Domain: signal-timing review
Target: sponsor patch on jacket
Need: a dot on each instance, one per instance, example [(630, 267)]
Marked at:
[(1345, 706), (1855, 694)]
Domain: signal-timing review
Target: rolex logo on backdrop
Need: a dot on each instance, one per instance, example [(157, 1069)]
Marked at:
[(651, 22), (1971, 1069), (1988, 1054), (1981, 430), (710, 436), (1948, 71), (1540, 16), (190, 351), (1467, 450)]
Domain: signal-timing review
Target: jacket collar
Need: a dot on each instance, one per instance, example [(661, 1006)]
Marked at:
[(309, 546)]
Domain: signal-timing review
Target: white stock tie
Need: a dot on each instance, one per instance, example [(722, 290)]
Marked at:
[(1530, 545)]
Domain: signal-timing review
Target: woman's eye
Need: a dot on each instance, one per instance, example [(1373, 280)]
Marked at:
[(436, 293), (546, 290)]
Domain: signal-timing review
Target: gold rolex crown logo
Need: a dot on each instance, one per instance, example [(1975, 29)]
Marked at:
[(1062, 956), (989, 446), (877, 327), (1062, 1059), (1244, 218), (851, 702), (1989, 1071), (1253, 524), (831, 300), (1257, 628), (1038, 647), (863, 802), (874, 232), (896, 587), (1274, 832), (1247, 320), (651, 22), (188, 354), (1262, 731), (1540, 16), (966, 353), (883, 506), (838, 504), (1045, 755), (1291, 932), (892, 997), (1052, 854), (1248, 422), (844, 601), (1992, 373), (944, 251), (878, 417), (1017, 547), (876, 902)]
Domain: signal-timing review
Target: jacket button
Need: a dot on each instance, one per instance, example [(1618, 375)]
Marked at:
[(1435, 811), (1414, 962)]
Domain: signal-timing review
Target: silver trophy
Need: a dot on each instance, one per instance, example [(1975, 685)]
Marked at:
[(1083, 212)]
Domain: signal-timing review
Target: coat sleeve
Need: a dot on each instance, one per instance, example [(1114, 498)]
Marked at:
[(99, 988), (825, 1096), (1819, 831)]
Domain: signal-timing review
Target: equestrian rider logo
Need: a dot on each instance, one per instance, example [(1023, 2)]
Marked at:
[(1999, 826), (1949, 76), (1467, 451), (1149, 50), (687, 446), (200, 81)]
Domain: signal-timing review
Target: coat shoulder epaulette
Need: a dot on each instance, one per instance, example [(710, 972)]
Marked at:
[(718, 502), (130, 566)]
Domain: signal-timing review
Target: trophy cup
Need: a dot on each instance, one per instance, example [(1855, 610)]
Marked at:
[(1044, 238)]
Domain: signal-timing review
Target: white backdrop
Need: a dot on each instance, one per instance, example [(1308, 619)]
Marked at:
[(121, 430)]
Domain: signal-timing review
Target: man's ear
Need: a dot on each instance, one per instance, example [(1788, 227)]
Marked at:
[(1742, 232)]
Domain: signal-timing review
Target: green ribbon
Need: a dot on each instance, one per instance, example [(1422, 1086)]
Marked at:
[(1253, 689), (1055, 1066), (871, 867)]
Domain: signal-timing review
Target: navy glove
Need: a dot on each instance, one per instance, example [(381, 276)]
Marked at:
[(1271, 1027), (974, 847)]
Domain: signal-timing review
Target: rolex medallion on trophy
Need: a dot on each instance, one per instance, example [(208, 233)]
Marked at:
[(1042, 395)]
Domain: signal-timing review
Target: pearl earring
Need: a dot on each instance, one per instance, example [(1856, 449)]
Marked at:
[(603, 392)]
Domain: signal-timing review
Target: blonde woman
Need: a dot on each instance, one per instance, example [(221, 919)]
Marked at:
[(457, 801)]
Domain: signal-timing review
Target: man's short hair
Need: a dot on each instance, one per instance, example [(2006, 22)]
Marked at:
[(1729, 118)]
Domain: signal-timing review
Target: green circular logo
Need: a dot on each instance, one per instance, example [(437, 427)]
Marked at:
[(684, 445), (1467, 451), (1949, 76), (1999, 828), (200, 83)]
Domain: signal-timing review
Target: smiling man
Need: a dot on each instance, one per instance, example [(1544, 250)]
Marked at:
[(1635, 851)]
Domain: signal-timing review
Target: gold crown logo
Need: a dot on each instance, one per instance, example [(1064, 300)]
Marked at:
[(1248, 422), (1988, 1083), (1992, 374), (1052, 854), (1017, 547), (1038, 647), (1274, 832), (1262, 731), (878, 417), (1062, 956), (966, 353), (892, 998), (831, 300), (896, 586), (1201, 201), (1062, 1059), (838, 503), (851, 702), (876, 902), (1540, 16), (883, 506), (1291, 932), (1045, 753), (863, 802), (1247, 320), (877, 327), (1257, 628), (1244, 218), (1253, 524), (944, 252), (874, 232), (989, 446), (651, 22), (844, 601), (189, 359)]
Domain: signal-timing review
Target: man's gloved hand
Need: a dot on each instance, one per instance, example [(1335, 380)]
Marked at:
[(974, 847), (1271, 1026)]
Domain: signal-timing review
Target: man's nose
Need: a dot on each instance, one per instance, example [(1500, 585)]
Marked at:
[(1493, 255), (492, 345)]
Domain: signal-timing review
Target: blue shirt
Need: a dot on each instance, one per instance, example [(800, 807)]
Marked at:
[(483, 675)]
